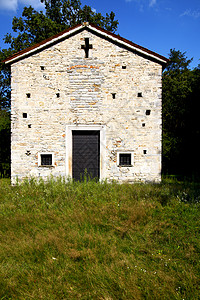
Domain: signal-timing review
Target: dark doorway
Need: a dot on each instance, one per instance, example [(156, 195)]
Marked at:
[(85, 154)]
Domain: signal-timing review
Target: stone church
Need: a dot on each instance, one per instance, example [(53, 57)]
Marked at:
[(86, 101)]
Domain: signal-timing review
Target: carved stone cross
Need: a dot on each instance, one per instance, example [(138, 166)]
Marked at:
[(86, 47)]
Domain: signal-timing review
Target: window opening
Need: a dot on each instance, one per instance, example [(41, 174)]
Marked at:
[(124, 67), (28, 95), (46, 159), (113, 95), (125, 159), (145, 151), (58, 95), (87, 47), (42, 68), (29, 125), (143, 124), (139, 94), (148, 112), (24, 115)]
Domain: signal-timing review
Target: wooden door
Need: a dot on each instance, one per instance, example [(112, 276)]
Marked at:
[(85, 154)]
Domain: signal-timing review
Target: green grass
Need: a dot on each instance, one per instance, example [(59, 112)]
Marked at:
[(64, 240)]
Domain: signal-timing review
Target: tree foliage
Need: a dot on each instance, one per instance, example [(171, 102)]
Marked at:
[(178, 61), (4, 143), (70, 13), (35, 26), (181, 129)]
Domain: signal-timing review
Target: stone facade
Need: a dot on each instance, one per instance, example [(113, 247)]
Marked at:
[(115, 90)]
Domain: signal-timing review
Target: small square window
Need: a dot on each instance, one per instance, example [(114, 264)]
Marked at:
[(46, 160), (139, 94), (42, 68), (28, 95), (58, 95), (145, 151), (125, 159), (124, 67), (24, 115)]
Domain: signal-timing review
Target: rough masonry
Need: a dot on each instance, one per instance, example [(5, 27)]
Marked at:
[(59, 86)]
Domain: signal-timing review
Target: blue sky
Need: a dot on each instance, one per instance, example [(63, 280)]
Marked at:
[(158, 25)]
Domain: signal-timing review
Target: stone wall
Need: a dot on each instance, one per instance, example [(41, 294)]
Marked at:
[(114, 87)]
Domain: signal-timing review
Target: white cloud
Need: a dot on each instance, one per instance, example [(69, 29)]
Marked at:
[(152, 3), (143, 2), (191, 13), (12, 5), (8, 5)]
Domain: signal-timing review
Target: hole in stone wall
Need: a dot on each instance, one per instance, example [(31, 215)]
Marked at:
[(42, 68), (24, 115), (28, 95), (139, 94), (113, 95), (143, 124), (145, 151), (148, 112), (124, 67), (58, 95), (29, 125)]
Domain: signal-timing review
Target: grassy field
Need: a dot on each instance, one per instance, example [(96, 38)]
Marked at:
[(92, 240)]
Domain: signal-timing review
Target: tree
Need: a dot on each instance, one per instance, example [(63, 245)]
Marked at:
[(180, 116), (70, 13), (178, 61), (34, 26), (5, 143)]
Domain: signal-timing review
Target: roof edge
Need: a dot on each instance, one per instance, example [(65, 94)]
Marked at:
[(126, 42), (112, 36), (41, 44)]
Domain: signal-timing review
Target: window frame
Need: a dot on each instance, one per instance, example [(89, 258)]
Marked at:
[(40, 159), (125, 152)]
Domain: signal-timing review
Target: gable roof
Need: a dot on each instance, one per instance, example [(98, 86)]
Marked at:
[(94, 29)]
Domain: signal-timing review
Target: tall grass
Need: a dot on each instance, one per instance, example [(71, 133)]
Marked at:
[(70, 240)]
